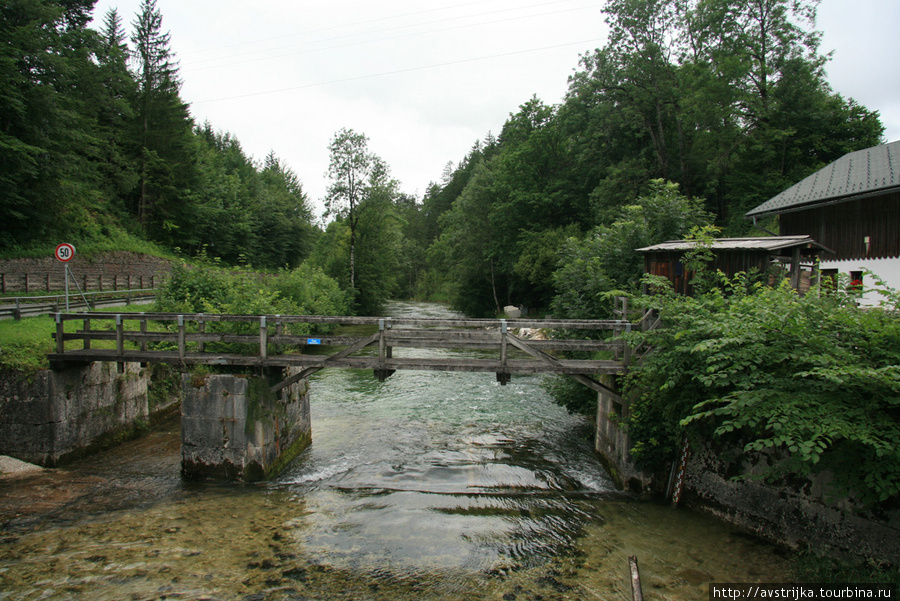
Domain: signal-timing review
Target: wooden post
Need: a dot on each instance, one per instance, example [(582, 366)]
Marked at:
[(143, 331), (263, 338), (503, 376), (120, 343), (87, 330), (26, 283), (120, 335), (636, 593), (180, 336), (795, 269), (201, 328), (503, 342), (626, 359), (60, 343)]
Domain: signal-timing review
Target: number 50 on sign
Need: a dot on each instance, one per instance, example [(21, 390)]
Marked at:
[(65, 252)]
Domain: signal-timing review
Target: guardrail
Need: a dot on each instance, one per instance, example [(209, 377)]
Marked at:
[(26, 306)]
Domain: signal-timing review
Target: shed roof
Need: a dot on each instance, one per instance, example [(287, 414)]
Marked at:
[(856, 174), (764, 243)]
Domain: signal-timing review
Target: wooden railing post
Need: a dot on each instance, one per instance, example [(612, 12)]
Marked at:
[(143, 331), (87, 333), (201, 328), (503, 342), (60, 343), (263, 338), (120, 335), (626, 359), (120, 343), (180, 336), (381, 342)]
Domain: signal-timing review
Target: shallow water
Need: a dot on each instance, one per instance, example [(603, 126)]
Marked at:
[(427, 486)]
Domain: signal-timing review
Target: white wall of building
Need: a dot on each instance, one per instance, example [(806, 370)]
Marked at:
[(887, 270)]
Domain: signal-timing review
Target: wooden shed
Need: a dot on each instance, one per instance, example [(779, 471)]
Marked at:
[(795, 256)]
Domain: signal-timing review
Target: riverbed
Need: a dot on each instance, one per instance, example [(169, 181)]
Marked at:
[(426, 486)]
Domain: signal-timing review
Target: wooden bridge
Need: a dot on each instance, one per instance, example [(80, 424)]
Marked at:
[(505, 347)]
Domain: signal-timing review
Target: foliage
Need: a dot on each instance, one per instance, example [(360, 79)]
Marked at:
[(810, 382), (606, 261), (209, 288), (572, 395)]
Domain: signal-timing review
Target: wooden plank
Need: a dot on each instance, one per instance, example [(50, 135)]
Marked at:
[(324, 362), (537, 354)]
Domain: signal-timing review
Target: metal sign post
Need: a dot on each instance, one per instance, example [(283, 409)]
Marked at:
[(64, 253)]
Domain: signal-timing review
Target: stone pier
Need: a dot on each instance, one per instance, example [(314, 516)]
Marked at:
[(234, 428)]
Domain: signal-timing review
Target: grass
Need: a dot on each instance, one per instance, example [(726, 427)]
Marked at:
[(25, 344)]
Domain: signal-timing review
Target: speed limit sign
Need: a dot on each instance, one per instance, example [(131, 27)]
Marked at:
[(65, 252)]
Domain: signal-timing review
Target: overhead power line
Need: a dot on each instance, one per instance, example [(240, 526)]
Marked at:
[(397, 71)]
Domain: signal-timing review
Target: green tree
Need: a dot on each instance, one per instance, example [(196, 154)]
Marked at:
[(114, 112), (45, 133), (163, 125), (350, 167), (606, 261)]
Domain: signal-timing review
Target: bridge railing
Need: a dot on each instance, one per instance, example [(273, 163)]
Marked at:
[(187, 336)]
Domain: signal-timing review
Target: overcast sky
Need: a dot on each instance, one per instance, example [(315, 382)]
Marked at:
[(425, 80)]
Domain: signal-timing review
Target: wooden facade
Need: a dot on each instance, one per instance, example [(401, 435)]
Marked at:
[(778, 256), (867, 228), (670, 265)]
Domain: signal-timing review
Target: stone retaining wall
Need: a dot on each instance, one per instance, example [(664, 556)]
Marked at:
[(59, 415), (104, 271), (798, 516)]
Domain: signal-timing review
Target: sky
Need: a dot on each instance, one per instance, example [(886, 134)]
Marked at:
[(426, 80)]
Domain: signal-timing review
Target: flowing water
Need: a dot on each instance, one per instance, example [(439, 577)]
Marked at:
[(428, 486)]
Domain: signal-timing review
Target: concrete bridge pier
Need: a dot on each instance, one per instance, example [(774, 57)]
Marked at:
[(234, 428)]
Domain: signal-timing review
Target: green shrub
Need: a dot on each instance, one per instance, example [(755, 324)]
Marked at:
[(811, 381)]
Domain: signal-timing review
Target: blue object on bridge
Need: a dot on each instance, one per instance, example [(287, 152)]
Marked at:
[(313, 341)]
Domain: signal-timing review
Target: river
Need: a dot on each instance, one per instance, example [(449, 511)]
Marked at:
[(426, 486)]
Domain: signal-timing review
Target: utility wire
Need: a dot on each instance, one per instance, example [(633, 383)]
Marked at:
[(347, 25), (395, 72), (377, 40)]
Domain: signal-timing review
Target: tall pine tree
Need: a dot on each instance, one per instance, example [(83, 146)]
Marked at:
[(162, 129)]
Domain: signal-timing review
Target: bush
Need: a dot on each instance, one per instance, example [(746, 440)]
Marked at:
[(812, 381)]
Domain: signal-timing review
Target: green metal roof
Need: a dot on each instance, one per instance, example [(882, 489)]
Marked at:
[(856, 174)]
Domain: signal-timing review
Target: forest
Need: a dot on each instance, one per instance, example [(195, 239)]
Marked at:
[(693, 112)]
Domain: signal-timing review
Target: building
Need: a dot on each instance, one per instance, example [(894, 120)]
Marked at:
[(852, 207), (793, 256)]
